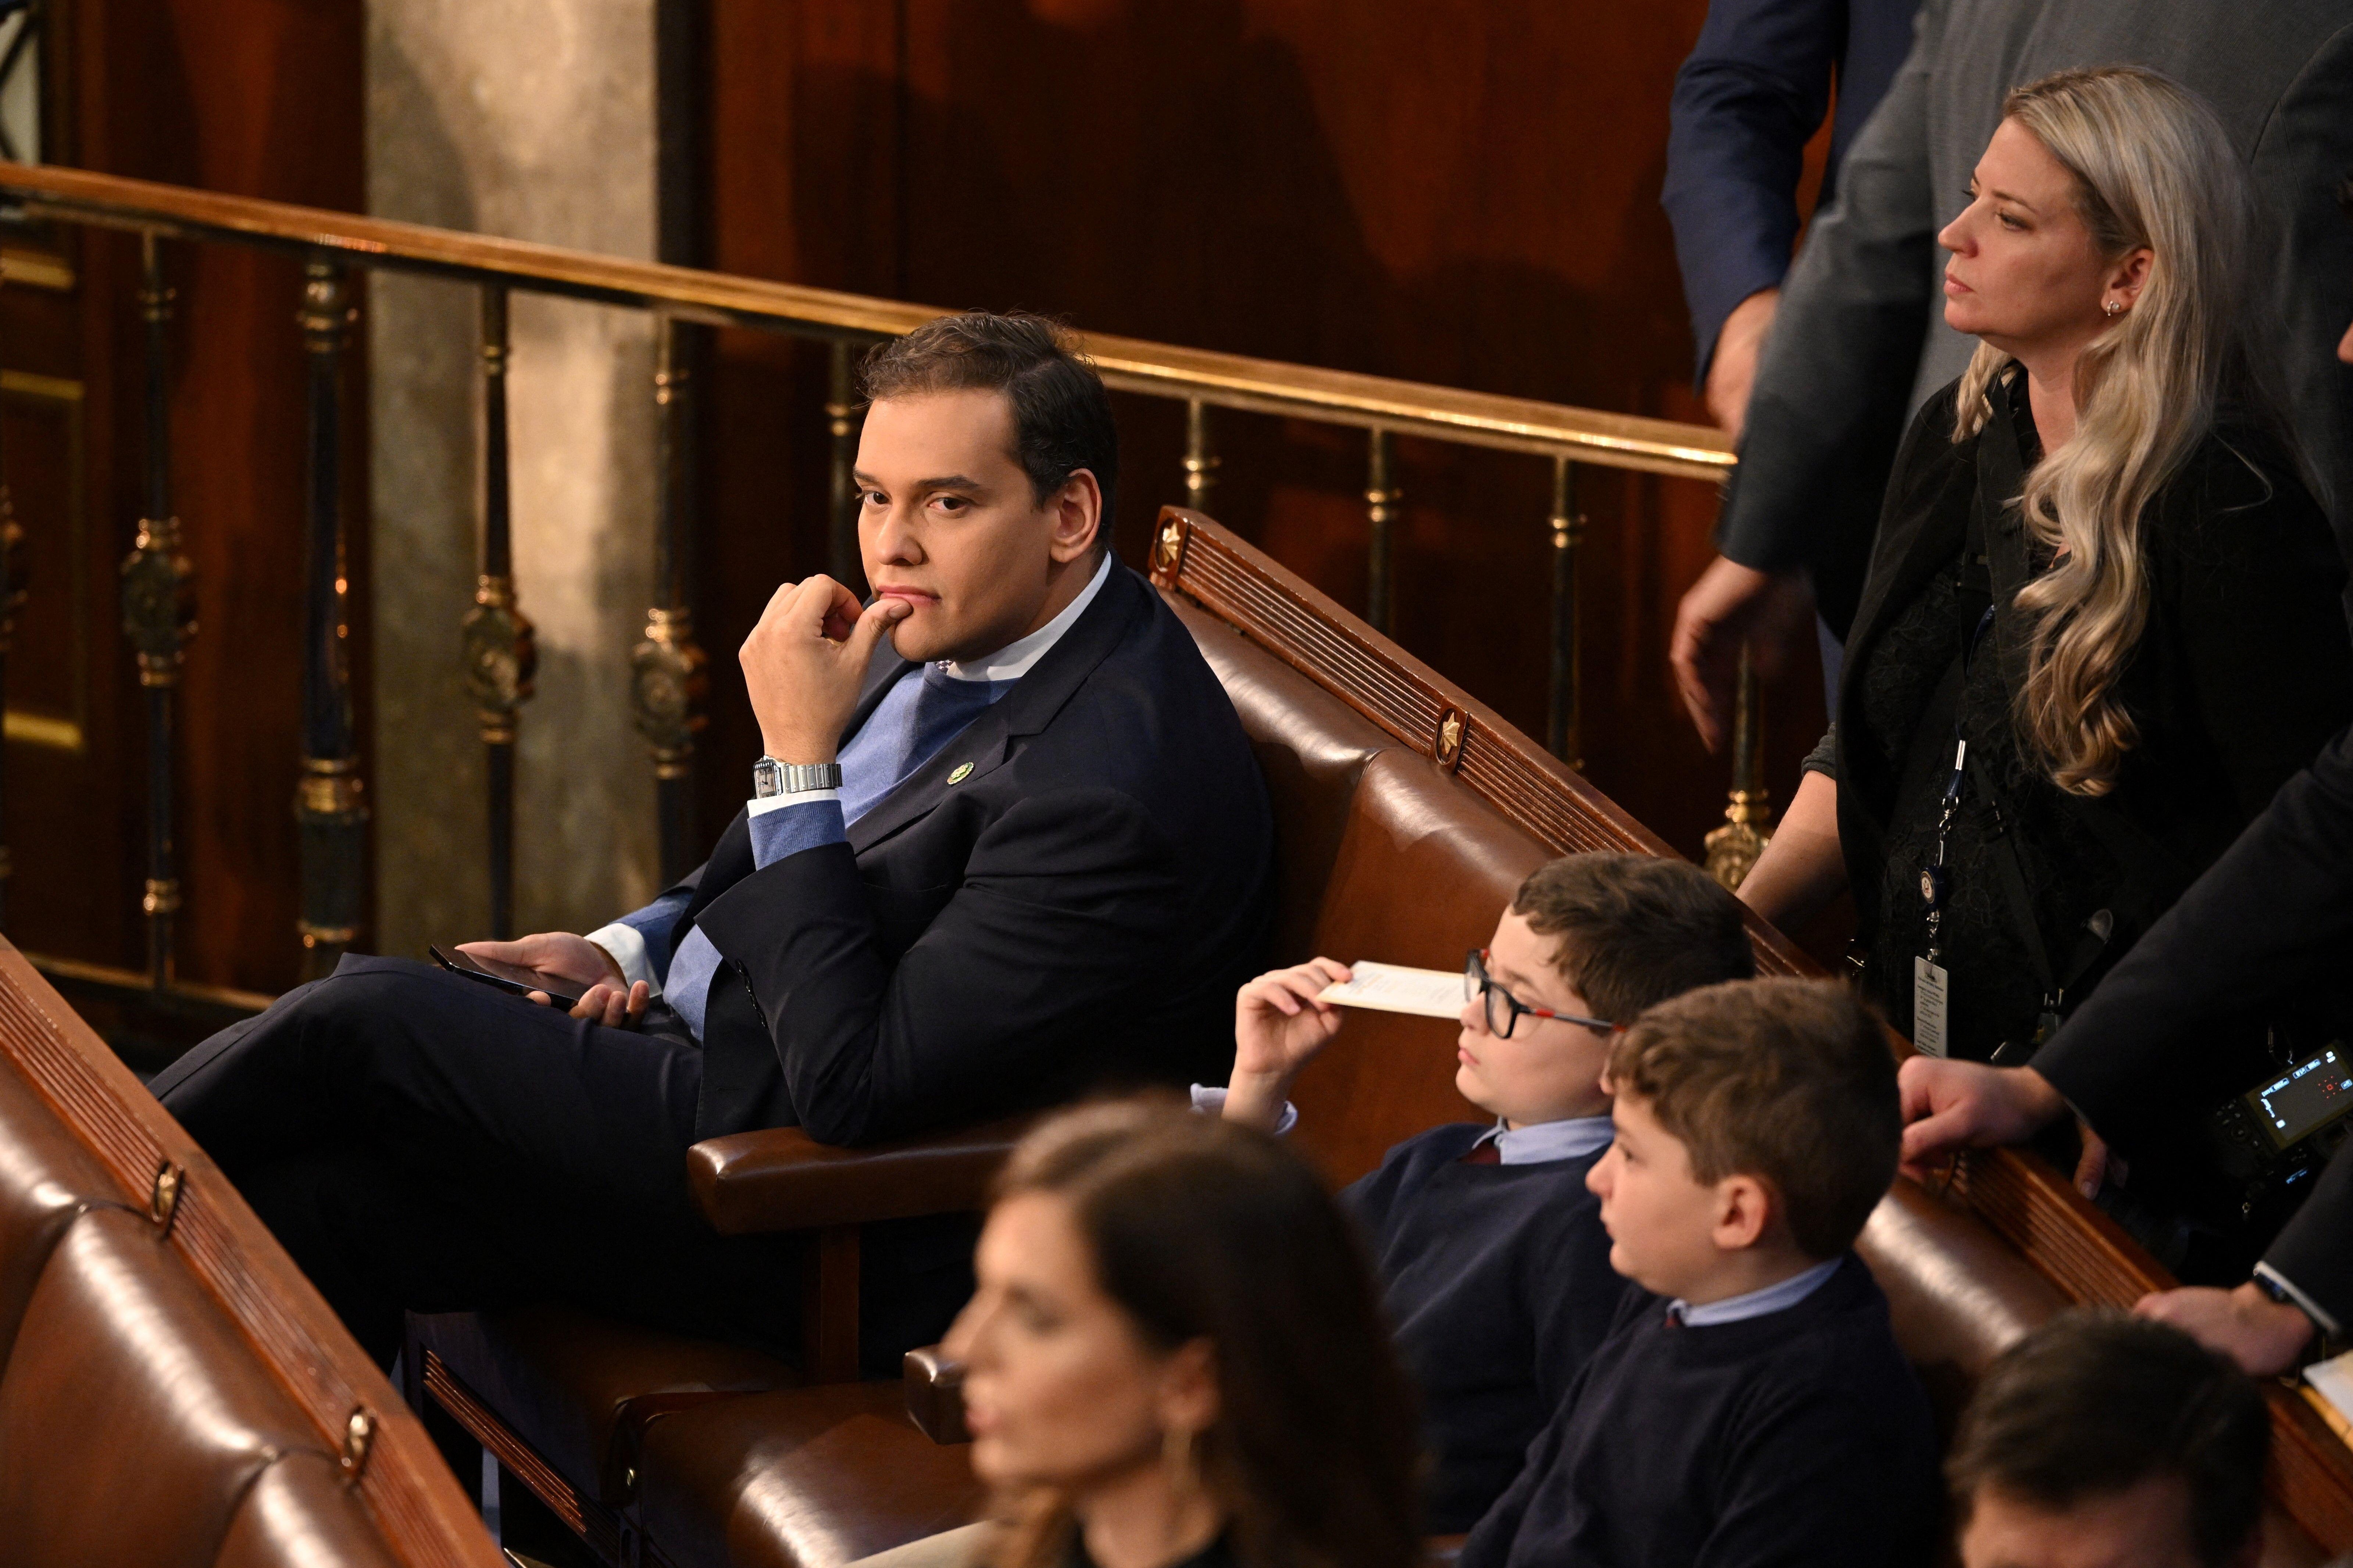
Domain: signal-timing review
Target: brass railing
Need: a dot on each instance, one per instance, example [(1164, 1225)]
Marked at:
[(667, 665)]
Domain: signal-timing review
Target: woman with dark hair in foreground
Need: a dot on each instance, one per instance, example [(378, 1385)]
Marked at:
[(1176, 1356)]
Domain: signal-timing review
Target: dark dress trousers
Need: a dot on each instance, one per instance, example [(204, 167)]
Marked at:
[(1860, 338), (2243, 670), (2272, 921), (1756, 88), (1064, 897)]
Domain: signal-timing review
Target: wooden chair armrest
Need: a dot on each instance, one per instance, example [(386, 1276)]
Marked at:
[(935, 1394), (753, 1183)]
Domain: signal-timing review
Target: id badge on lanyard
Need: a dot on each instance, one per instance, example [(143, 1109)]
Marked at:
[(1929, 999)]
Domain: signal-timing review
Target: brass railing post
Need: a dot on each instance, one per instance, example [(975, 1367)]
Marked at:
[(1381, 498), (842, 554), (501, 654), (1564, 712), (158, 617), (666, 670), (12, 599), (1200, 457), (328, 802), (1733, 849)]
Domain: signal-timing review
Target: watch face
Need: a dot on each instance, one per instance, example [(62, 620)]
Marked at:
[(767, 779)]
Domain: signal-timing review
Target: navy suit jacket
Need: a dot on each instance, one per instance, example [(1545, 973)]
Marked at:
[(1065, 897), (2267, 924), (1745, 103)]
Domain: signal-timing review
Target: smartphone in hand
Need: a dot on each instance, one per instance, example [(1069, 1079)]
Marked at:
[(458, 963)]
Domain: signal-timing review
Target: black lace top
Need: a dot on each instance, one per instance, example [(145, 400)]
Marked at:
[(2244, 670)]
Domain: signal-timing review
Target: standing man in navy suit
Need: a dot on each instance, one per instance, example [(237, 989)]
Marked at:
[(1757, 87), (1008, 844)]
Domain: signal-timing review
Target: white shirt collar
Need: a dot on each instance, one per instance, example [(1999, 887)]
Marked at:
[(1755, 1304), (1012, 661), (1570, 1138)]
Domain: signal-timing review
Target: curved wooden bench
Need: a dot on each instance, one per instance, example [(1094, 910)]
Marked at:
[(172, 1390)]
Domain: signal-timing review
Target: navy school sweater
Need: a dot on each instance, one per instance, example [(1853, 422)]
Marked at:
[(1801, 1438), (1498, 1284)]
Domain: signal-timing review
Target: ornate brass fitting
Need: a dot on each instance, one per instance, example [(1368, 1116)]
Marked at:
[(668, 681), (359, 1436), (159, 600), (12, 570), (1733, 849), (502, 658), (326, 313), (330, 790), (163, 1196)]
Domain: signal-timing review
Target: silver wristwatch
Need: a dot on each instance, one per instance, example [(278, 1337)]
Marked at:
[(771, 777)]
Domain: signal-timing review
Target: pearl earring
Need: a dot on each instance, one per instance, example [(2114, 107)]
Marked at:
[(2111, 307)]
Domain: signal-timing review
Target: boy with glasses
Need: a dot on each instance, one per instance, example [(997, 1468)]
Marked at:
[(1495, 1262)]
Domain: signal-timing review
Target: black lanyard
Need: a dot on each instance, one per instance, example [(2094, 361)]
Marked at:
[(1936, 876)]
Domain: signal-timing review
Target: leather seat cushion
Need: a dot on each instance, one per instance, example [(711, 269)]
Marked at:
[(1957, 1296), (809, 1477), (301, 1514), (1423, 869), (45, 1178), (133, 1416), (1311, 748), (561, 1377)]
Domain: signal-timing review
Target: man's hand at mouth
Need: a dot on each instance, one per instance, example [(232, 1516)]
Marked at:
[(804, 663)]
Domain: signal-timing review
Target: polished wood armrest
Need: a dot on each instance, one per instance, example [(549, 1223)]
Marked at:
[(935, 1394), (752, 1184)]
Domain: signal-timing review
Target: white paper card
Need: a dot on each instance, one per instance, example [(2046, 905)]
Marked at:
[(1927, 1007), (1393, 988), (2333, 1380)]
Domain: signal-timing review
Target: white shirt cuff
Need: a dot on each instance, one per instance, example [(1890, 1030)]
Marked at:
[(1212, 1102), (627, 949), (2312, 1309), (767, 803)]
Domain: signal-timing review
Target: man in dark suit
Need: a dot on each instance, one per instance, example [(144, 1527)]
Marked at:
[(1757, 85), (1021, 851), (1859, 336)]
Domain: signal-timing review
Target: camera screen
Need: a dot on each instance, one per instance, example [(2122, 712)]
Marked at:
[(2309, 1095)]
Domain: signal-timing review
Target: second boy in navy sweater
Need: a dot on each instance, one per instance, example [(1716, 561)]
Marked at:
[(1752, 1408), (1496, 1267)]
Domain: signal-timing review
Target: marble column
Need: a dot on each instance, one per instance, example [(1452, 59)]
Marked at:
[(533, 119)]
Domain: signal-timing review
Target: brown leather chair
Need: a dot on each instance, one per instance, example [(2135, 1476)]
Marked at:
[(1406, 814), (171, 1392)]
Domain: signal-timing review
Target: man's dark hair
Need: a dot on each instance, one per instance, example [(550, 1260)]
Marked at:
[(2094, 1403), (1634, 929), (2345, 195), (1062, 415)]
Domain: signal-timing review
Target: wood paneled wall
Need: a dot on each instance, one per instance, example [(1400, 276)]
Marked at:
[(1463, 191), (255, 97)]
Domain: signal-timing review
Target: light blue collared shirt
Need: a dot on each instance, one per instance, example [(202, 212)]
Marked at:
[(1755, 1303), (1572, 1137), (902, 733)]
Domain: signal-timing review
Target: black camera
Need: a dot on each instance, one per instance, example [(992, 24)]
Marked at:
[(2272, 1141)]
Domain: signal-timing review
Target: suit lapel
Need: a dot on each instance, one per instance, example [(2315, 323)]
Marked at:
[(1027, 709)]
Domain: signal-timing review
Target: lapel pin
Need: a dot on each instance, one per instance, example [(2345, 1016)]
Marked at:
[(962, 770)]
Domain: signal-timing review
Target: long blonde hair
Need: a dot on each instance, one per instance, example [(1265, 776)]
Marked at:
[(2153, 167)]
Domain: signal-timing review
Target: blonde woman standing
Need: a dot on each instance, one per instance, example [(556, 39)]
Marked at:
[(2101, 622)]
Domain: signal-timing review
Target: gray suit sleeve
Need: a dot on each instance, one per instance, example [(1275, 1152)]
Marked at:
[(2305, 149), (1845, 343)]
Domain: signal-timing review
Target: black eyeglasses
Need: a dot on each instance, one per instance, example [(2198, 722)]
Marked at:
[(1478, 986)]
